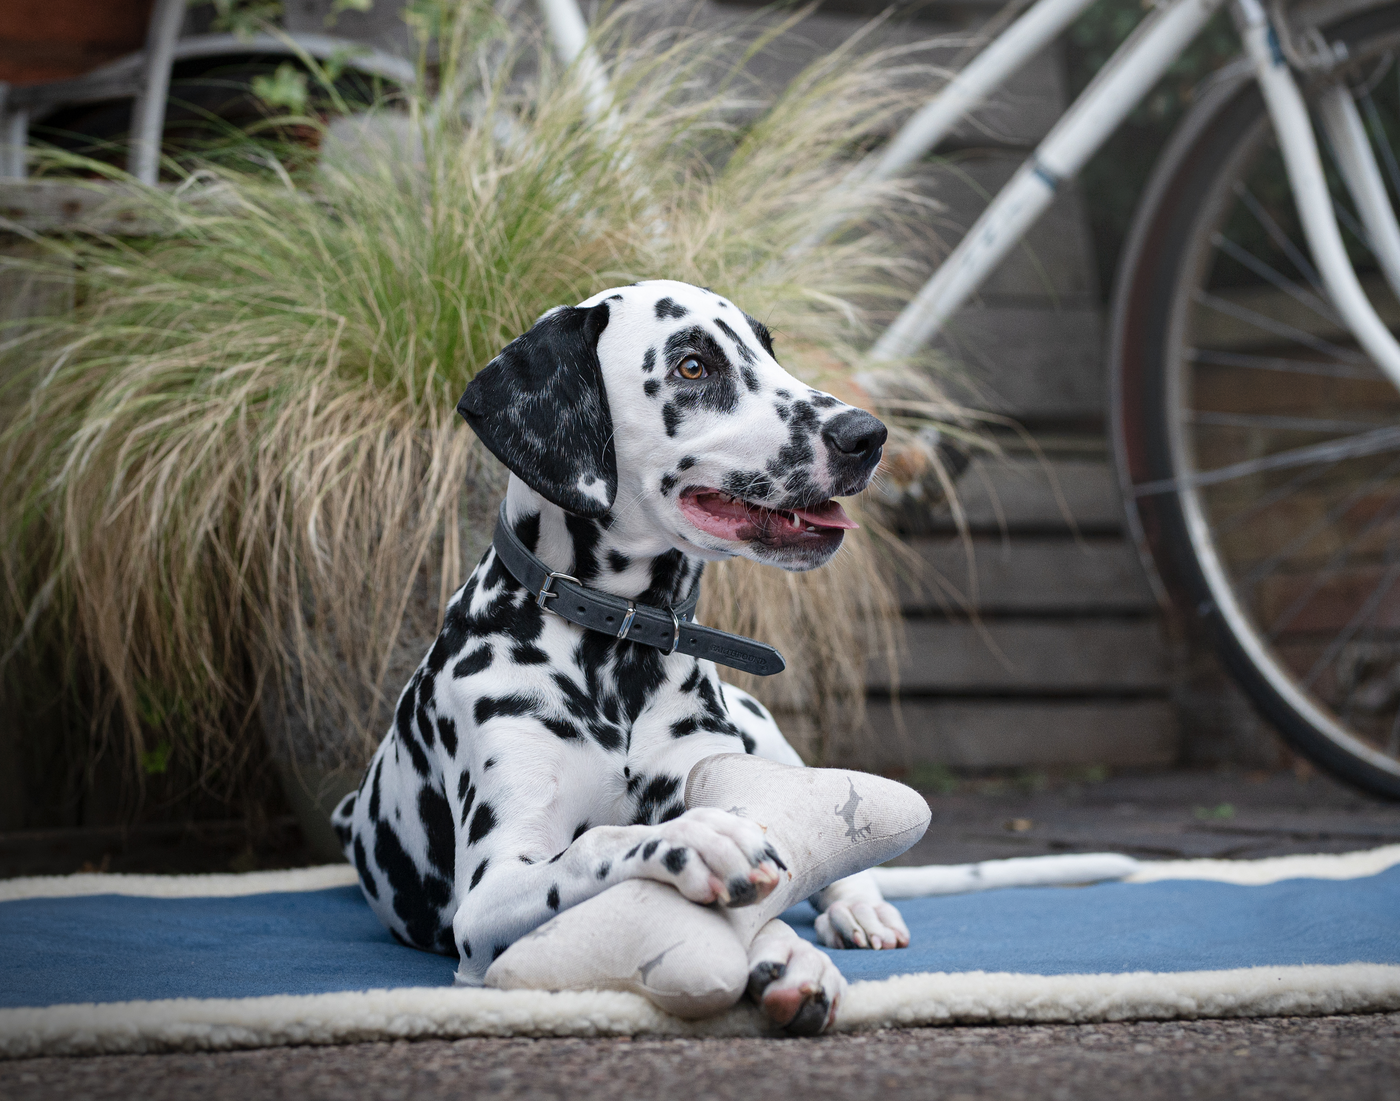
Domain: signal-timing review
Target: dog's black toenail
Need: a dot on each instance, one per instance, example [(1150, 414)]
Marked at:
[(811, 1018), (769, 971), (741, 892)]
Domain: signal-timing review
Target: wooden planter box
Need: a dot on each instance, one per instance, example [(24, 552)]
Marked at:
[(42, 40)]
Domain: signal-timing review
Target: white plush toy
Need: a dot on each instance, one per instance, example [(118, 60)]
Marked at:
[(693, 960)]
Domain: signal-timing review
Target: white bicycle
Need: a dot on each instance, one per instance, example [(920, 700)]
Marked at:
[(1255, 382)]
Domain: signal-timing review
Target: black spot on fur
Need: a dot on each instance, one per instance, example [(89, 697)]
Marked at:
[(617, 561), (651, 387), (362, 866), (480, 871), (649, 361), (418, 900), (675, 810), (670, 417), (687, 462), (527, 530), (464, 781), (525, 859), (650, 847), (668, 483), (668, 307), (656, 794), (683, 727), (490, 707), (749, 744), (675, 860), (490, 762), (751, 705), (466, 949), (467, 804), (483, 822), (632, 851), (447, 733), (562, 729), (552, 899), (528, 654), (475, 662), (692, 682), (824, 401), (760, 330), (580, 830), (603, 869), (435, 814)]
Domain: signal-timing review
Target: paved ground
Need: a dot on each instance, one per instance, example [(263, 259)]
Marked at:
[(1161, 815), (1332, 1058)]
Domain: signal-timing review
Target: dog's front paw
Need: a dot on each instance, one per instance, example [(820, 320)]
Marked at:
[(710, 856), (796, 985), (854, 923)]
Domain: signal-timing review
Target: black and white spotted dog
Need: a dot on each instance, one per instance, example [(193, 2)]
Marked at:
[(533, 763)]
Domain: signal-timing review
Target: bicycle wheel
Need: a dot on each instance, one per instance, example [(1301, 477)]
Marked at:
[(1259, 448)]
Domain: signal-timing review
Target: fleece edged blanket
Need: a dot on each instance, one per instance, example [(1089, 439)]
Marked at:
[(133, 963)]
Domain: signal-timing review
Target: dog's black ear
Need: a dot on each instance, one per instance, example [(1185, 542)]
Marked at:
[(540, 407)]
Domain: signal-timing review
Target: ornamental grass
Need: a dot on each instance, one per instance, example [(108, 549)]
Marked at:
[(236, 493)]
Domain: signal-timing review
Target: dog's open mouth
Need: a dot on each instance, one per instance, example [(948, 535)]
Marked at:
[(732, 518)]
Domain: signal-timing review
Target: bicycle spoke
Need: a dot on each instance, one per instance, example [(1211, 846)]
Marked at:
[(1330, 568), (1282, 554), (1272, 275), (1375, 442), (1264, 420), (1271, 227), (1368, 609), (1216, 358), (1277, 328)]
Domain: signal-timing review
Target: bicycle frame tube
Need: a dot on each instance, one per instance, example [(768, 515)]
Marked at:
[(1342, 123), (1300, 157), (1122, 83), (1004, 55)]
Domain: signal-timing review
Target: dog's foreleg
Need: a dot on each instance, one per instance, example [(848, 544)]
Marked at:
[(795, 984), (852, 913), (708, 855)]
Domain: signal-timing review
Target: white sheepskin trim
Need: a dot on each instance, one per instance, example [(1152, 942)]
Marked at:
[(903, 1002), (1354, 865), (976, 997), (1019, 871), (179, 886)]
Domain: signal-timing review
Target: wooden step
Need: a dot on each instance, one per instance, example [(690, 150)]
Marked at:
[(1034, 364), (1028, 657), (1030, 574), (1025, 496), (998, 733)]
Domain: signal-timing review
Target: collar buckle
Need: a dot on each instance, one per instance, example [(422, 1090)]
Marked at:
[(546, 592)]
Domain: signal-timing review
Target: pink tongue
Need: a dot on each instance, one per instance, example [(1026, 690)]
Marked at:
[(827, 515)]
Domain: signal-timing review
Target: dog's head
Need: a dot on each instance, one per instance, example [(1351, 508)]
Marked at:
[(661, 407)]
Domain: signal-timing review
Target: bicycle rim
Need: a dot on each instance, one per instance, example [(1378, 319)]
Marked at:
[(1275, 452)]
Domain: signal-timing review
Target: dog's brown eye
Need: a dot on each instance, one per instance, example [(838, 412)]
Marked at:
[(691, 368)]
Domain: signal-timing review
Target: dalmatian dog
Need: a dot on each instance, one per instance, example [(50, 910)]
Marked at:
[(532, 763)]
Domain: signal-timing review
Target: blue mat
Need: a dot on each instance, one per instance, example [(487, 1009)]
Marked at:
[(107, 948)]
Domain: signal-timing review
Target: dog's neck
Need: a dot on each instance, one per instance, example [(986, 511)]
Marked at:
[(600, 554)]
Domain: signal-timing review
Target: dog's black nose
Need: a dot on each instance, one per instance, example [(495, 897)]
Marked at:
[(855, 433)]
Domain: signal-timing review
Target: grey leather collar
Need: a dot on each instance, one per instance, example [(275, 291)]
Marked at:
[(667, 629)]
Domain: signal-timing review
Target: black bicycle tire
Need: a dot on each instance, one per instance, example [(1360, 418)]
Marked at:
[(1144, 293)]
